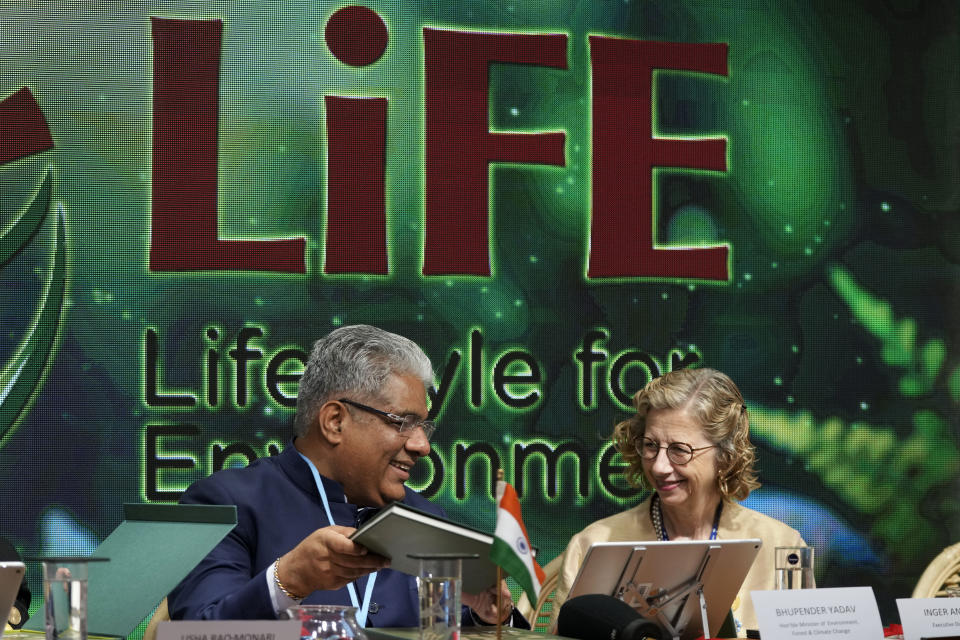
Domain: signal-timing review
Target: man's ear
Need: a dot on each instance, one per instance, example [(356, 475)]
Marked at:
[(329, 421)]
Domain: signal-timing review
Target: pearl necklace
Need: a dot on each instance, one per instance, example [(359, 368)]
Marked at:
[(656, 515)]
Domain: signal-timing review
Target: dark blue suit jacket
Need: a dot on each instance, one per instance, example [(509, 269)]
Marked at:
[(278, 505)]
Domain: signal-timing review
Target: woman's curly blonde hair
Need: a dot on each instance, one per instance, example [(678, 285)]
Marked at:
[(713, 399)]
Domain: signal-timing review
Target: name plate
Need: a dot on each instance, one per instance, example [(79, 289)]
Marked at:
[(229, 630), (929, 617), (844, 612)]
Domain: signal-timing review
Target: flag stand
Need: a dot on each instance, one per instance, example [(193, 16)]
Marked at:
[(499, 601), (499, 580), (511, 551)]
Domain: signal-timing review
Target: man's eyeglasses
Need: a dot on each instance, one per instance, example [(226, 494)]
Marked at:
[(403, 424), (677, 452)]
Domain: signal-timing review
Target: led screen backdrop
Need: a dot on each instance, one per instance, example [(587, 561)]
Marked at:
[(558, 200)]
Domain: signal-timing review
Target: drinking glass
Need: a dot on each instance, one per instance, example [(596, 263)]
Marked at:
[(65, 597), (327, 622), (439, 583), (794, 567)]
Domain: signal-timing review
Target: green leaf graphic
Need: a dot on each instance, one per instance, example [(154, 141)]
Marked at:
[(21, 375), (25, 228)]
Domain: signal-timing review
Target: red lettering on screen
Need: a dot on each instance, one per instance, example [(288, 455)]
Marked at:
[(184, 234), (356, 209), (460, 145), (625, 153), (458, 150), (23, 129)]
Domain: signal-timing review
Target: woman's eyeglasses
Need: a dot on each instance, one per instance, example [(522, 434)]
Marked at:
[(677, 452)]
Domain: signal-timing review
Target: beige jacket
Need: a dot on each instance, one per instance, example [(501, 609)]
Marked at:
[(736, 522)]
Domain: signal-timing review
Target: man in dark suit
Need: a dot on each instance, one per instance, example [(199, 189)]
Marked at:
[(360, 428)]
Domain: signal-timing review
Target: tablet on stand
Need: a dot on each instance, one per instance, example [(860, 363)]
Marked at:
[(685, 586)]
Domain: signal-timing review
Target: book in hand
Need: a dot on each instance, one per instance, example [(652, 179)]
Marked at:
[(398, 530)]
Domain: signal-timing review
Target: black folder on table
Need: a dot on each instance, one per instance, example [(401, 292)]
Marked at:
[(149, 554), (399, 531)]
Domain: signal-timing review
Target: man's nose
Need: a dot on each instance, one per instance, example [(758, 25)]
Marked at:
[(418, 442)]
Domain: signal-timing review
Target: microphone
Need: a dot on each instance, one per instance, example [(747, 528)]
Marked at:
[(598, 617)]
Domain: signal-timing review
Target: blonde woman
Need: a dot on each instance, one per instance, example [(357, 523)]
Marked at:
[(689, 443)]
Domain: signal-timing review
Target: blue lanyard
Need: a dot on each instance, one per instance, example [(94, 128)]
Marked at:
[(368, 592)]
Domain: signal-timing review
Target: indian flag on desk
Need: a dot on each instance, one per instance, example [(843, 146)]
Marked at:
[(511, 545)]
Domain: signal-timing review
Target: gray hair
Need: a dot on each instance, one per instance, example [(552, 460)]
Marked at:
[(355, 360)]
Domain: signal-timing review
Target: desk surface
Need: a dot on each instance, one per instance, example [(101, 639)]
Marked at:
[(468, 633)]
